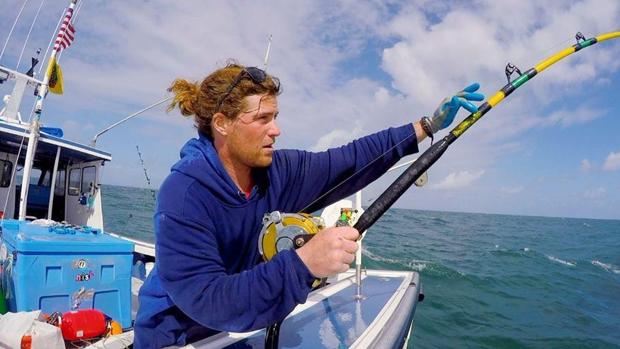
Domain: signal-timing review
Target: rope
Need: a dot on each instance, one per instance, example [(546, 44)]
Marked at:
[(356, 172), (12, 28), (21, 54), (62, 15), (21, 145)]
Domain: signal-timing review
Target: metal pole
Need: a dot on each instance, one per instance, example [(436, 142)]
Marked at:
[(33, 138), (53, 186), (358, 254), (267, 53), (46, 79), (34, 133)]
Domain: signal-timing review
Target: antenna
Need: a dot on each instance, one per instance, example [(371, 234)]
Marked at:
[(35, 61), (267, 53)]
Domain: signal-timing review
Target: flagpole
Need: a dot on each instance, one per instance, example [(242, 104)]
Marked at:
[(43, 89), (33, 137)]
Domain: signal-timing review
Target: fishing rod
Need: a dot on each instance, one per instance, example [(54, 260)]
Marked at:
[(275, 235), (282, 230), (435, 151), (146, 175)]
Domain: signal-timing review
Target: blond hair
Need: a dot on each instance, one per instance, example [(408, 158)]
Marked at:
[(201, 100)]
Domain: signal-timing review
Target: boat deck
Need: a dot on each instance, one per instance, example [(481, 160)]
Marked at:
[(333, 318)]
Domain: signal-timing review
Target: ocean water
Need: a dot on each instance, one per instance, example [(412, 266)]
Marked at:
[(491, 281)]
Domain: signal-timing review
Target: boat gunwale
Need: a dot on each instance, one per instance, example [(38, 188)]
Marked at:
[(340, 282)]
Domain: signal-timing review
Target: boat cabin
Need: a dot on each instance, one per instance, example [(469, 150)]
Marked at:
[(63, 176), (64, 180)]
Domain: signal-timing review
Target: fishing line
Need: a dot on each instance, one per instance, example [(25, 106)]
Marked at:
[(53, 36), (432, 154), (357, 172), (36, 16), (21, 145), (12, 28), (385, 153)]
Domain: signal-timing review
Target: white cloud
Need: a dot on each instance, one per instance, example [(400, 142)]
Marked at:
[(586, 166), (612, 162), (458, 180), (574, 116), (335, 138), (435, 58), (441, 50), (382, 95), (511, 190), (595, 194), (127, 53)]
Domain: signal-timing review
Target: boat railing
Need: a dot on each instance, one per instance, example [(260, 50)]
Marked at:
[(142, 247)]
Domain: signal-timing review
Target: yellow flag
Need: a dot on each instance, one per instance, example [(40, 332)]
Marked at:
[(55, 77)]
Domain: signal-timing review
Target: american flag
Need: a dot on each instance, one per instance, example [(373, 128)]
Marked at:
[(66, 34)]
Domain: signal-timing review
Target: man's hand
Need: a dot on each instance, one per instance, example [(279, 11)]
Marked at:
[(445, 112), (330, 251)]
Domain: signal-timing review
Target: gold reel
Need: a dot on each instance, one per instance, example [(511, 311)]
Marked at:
[(286, 231)]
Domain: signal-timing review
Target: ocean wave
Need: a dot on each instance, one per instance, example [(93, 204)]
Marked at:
[(439, 220), (378, 258), (508, 252), (561, 261), (443, 271), (606, 266), (417, 265), (414, 264)]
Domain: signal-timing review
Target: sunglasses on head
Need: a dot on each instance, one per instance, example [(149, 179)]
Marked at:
[(258, 76)]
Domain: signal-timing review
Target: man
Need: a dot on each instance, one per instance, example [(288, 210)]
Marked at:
[(208, 275)]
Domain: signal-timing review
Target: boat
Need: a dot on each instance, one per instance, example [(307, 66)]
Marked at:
[(56, 255)]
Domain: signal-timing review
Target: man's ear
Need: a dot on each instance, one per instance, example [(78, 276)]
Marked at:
[(220, 124)]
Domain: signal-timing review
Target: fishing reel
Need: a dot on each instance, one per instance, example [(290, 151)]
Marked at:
[(286, 231)]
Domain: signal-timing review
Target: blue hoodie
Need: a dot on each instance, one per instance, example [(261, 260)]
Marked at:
[(208, 275)]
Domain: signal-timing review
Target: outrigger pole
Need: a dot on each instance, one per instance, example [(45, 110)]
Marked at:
[(33, 137), (432, 154)]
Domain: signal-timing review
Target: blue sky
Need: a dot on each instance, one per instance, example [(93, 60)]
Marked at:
[(350, 68)]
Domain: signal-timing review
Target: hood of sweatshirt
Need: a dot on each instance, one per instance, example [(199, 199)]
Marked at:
[(200, 161)]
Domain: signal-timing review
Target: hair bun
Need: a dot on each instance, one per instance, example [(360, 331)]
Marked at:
[(185, 96)]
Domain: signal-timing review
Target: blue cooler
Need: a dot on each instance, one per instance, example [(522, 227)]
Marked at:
[(63, 268)]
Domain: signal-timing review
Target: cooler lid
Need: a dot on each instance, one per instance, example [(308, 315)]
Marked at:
[(25, 236)]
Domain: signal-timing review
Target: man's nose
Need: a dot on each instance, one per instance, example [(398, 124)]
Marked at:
[(274, 129)]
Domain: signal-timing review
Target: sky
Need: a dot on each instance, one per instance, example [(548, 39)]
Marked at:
[(350, 68)]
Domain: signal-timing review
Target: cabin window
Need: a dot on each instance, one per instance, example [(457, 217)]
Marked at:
[(38, 177), (74, 181), (44, 178), (35, 175), (59, 188), (88, 179), (6, 170)]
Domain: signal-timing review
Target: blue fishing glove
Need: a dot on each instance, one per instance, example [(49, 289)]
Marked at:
[(445, 113)]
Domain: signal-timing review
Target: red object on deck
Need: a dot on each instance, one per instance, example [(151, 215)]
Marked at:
[(26, 342), (83, 324)]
